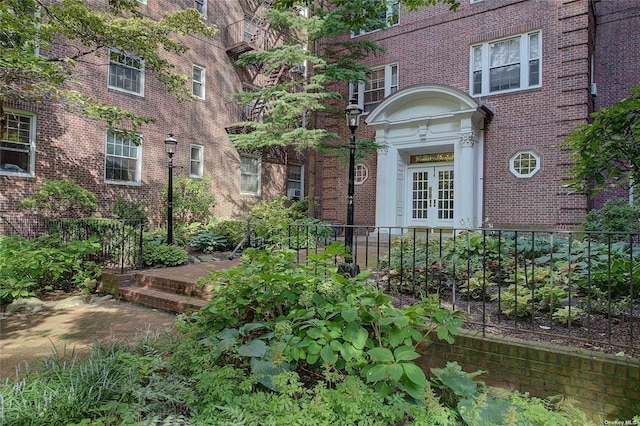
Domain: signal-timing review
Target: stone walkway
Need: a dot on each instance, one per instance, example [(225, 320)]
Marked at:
[(30, 337)]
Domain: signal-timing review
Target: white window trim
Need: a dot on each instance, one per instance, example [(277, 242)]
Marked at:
[(204, 8), (32, 144), (389, 15), (524, 71), (142, 75), (201, 82), (363, 179), (516, 173), (138, 180), (200, 173), (387, 85), (259, 192)]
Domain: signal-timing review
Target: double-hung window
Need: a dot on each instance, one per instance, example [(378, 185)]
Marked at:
[(197, 81), (506, 65), (385, 18), (381, 82), (123, 160), (201, 6), (196, 170), (126, 72), (250, 168), (17, 144), (295, 181)]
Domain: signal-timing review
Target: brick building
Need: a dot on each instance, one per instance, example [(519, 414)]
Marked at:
[(472, 106), (58, 143)]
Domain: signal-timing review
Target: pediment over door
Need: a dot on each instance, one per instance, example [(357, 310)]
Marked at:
[(428, 105)]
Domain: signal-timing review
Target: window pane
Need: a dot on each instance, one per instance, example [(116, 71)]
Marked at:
[(534, 72), (534, 46), (196, 161), (504, 78), (504, 52), (121, 159), (125, 72), (250, 175)]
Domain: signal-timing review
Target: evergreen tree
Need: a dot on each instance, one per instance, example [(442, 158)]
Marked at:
[(315, 33)]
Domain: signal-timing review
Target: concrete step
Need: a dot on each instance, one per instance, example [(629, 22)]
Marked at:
[(163, 300)]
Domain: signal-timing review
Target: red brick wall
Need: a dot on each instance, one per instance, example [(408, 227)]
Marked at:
[(432, 46), (71, 146), (617, 57), (605, 386)]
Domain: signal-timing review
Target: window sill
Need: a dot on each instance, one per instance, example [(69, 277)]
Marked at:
[(122, 183)]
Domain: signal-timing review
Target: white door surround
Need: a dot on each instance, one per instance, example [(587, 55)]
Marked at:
[(422, 120)]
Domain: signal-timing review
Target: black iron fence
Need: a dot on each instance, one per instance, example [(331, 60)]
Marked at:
[(120, 240), (554, 286)]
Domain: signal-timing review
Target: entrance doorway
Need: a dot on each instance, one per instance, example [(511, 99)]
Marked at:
[(431, 196)]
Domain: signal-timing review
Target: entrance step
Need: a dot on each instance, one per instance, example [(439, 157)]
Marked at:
[(171, 289), (162, 300)]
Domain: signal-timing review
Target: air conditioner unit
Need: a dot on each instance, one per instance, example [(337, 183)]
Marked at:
[(293, 193)]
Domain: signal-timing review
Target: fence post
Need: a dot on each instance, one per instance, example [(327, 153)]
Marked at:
[(122, 246), (140, 246)]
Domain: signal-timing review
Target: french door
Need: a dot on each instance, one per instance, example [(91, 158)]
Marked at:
[(431, 196)]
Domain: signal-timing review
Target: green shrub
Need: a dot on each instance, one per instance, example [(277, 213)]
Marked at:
[(28, 267), (232, 230), (208, 242), (129, 210), (616, 215), (164, 255), (271, 219), (192, 200), (309, 316), (60, 198)]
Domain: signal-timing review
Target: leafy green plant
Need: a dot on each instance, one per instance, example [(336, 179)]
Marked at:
[(477, 286), (271, 219), (272, 310), (616, 215), (232, 230), (164, 255), (192, 200), (477, 404), (60, 198), (568, 315), (129, 210), (27, 267), (208, 242), (515, 301), (308, 232)]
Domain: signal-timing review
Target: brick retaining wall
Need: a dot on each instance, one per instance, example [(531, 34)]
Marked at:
[(607, 386)]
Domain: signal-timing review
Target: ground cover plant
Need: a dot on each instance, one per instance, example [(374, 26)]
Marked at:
[(578, 283), (280, 344)]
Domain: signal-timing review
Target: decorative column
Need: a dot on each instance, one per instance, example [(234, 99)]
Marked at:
[(466, 191)]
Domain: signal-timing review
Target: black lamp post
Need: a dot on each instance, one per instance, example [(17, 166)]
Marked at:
[(352, 113), (170, 146)]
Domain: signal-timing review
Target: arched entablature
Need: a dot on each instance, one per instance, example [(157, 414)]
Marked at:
[(430, 171)]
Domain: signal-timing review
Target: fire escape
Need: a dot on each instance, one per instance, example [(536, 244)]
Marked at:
[(250, 34)]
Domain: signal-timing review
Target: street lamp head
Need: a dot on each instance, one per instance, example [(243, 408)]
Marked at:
[(353, 112), (170, 144)]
